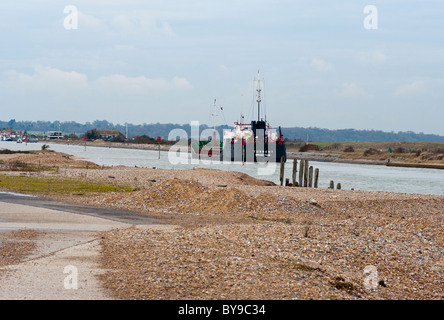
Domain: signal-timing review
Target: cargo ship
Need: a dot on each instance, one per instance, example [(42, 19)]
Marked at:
[(255, 141)]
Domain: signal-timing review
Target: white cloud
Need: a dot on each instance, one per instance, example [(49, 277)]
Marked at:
[(181, 83), (415, 87), (373, 57), (138, 85), (124, 23), (321, 65), (89, 21), (352, 90), (166, 29), (46, 79), (55, 81), (124, 47), (141, 22)]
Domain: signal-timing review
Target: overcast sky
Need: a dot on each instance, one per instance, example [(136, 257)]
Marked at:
[(166, 61)]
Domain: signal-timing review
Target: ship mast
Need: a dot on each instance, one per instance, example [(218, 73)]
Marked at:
[(214, 123), (258, 97)]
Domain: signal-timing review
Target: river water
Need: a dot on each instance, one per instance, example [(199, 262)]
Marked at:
[(356, 176)]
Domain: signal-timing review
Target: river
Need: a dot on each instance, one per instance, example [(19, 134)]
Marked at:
[(356, 176)]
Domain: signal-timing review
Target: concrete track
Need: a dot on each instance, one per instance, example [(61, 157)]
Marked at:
[(64, 264)]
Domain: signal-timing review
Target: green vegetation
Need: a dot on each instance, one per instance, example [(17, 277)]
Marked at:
[(297, 134), (54, 185)]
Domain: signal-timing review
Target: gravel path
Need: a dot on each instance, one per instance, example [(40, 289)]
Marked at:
[(43, 278), (58, 240)]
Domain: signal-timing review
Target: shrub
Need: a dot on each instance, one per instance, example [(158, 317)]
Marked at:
[(118, 138), (371, 151), (309, 147), (143, 139), (92, 134)]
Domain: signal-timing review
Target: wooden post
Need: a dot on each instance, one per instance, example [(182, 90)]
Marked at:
[(338, 186), (287, 182), (242, 147), (301, 172), (310, 176), (295, 163), (332, 184), (316, 177), (282, 170), (306, 173)]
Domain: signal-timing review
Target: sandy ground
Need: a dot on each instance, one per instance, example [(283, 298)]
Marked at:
[(230, 236)]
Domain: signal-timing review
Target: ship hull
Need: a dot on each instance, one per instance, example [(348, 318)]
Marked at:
[(204, 150), (247, 152), (254, 153)]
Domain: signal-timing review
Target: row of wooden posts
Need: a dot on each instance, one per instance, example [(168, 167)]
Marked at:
[(306, 177), (305, 174)]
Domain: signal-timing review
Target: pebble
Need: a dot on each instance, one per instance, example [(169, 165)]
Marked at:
[(264, 241), (268, 238)]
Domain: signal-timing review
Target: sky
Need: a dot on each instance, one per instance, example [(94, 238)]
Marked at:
[(322, 63)]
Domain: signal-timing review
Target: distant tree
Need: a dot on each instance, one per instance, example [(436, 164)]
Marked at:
[(119, 138), (163, 130), (92, 134), (143, 139), (11, 123), (309, 147)]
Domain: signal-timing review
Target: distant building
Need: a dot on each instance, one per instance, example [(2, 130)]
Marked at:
[(51, 135), (10, 135), (108, 134)]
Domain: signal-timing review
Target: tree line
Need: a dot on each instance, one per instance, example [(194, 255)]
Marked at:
[(163, 129)]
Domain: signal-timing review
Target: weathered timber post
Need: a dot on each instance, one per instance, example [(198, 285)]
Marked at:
[(282, 170), (338, 186), (287, 182), (301, 172), (306, 173), (332, 184), (310, 176), (316, 177), (295, 163)]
